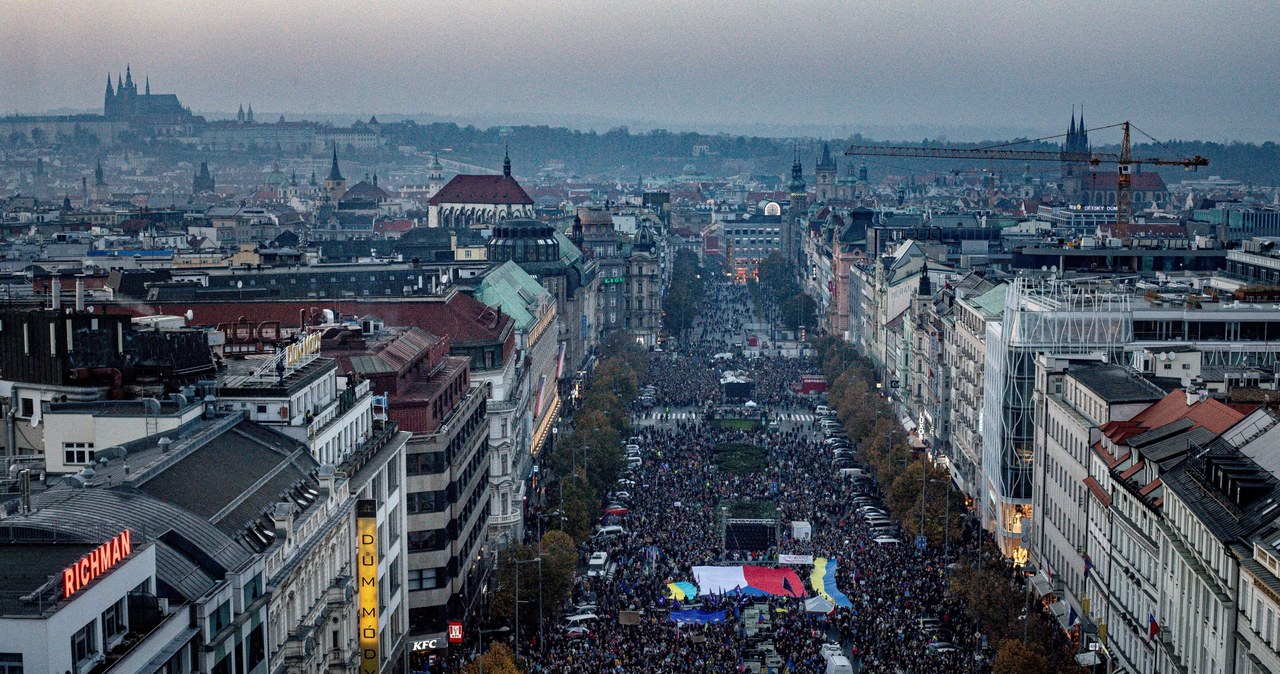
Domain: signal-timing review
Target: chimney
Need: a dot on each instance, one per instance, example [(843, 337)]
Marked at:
[(56, 287), (79, 295), (282, 518)]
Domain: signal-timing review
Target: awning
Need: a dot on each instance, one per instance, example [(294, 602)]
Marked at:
[(544, 427), (1041, 585), (908, 424)]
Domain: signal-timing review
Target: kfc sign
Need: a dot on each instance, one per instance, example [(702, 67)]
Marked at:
[(455, 632)]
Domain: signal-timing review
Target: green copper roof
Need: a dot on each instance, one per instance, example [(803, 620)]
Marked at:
[(511, 290)]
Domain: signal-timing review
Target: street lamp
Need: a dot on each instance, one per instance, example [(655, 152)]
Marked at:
[(518, 564)]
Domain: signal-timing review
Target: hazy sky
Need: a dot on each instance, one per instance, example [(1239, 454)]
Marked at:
[(1178, 69)]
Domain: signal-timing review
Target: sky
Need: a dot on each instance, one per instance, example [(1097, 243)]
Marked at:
[(1177, 69)]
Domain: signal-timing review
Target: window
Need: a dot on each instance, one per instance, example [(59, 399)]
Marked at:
[(113, 624), (420, 502), (77, 453), (262, 409), (10, 663), (427, 541), (28, 407), (84, 642), (220, 618), (257, 647), (252, 589), (424, 579)]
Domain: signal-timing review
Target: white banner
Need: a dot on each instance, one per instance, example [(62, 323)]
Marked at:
[(796, 559)]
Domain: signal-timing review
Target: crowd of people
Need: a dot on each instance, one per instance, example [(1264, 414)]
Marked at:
[(672, 525)]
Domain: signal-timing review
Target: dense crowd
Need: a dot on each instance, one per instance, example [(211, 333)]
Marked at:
[(672, 526)]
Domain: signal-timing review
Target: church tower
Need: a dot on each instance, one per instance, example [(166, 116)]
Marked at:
[(109, 101), (1075, 158), (435, 177), (825, 175), (335, 185), (797, 211)]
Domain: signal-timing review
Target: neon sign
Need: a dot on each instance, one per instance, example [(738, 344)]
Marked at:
[(367, 575), (100, 560), (297, 351)]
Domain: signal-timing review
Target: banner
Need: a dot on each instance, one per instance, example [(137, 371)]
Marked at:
[(682, 590), (805, 560), (696, 617), (756, 581), (823, 580)]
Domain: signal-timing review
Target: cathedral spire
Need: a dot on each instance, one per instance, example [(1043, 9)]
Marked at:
[(128, 77), (110, 91), (1071, 133), (148, 85), (334, 173), (506, 161), (1084, 132)]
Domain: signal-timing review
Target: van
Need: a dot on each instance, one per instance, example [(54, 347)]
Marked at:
[(596, 565), (839, 664), (610, 531)]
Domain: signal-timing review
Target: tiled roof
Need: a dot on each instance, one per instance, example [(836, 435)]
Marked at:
[(1208, 413), (1098, 492), (461, 317), (466, 189)]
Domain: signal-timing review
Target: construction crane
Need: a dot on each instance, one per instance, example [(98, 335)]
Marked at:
[(1124, 163)]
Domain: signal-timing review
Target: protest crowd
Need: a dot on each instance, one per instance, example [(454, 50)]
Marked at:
[(675, 497)]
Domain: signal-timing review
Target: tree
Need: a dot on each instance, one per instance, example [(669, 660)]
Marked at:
[(580, 505), (497, 659), (1015, 657)]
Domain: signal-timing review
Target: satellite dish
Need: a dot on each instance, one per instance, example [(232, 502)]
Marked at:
[(1044, 268), (190, 314), (1054, 269)]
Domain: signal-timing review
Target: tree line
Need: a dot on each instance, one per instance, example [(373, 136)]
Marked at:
[(583, 464), (993, 593)]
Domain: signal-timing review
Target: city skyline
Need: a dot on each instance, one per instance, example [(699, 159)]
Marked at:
[(913, 67)]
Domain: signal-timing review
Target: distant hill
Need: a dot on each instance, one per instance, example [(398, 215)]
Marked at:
[(661, 152)]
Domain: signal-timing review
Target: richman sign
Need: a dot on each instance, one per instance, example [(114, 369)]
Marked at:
[(367, 577), (96, 563)]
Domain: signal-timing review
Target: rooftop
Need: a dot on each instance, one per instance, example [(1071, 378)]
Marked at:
[(24, 567), (1115, 384)]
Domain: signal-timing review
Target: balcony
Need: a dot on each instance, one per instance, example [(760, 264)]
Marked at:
[(344, 402)]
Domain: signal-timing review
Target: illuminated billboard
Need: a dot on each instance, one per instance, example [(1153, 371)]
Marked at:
[(367, 577)]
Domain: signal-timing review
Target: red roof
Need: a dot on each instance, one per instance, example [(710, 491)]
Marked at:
[(461, 318), (465, 189), (1098, 492), (1209, 413), (1107, 180), (1133, 470), (393, 225)]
